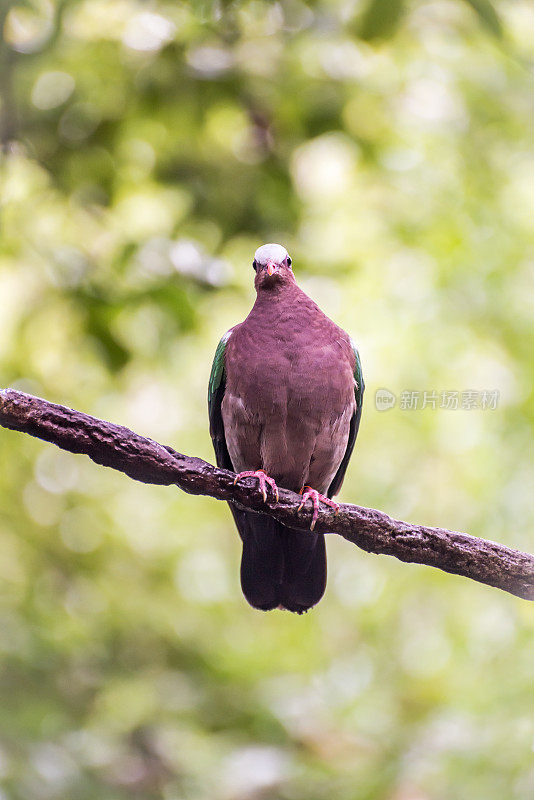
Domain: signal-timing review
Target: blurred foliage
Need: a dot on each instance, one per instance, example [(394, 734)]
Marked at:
[(148, 148)]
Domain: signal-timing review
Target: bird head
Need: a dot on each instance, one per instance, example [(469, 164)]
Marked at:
[(272, 264)]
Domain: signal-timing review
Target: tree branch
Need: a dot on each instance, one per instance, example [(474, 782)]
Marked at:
[(147, 461)]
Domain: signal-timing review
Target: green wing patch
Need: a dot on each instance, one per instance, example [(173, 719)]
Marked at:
[(216, 387), (359, 385), (217, 368), (359, 388)]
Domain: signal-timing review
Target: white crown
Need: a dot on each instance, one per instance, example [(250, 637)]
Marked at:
[(273, 253)]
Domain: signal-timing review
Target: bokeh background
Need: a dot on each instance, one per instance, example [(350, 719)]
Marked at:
[(147, 149)]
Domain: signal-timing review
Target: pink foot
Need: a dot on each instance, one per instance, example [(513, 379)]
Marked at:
[(316, 498), (264, 480)]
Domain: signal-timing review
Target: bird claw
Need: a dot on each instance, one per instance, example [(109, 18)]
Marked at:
[(316, 498), (263, 479)]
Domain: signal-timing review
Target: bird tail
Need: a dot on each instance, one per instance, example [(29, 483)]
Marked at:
[(281, 567)]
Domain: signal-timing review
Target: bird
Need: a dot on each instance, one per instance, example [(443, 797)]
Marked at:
[(285, 400)]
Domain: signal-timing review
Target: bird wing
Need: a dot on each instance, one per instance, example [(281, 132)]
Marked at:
[(262, 563), (216, 389), (359, 387)]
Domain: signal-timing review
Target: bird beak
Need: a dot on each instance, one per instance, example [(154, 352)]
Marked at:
[(271, 269)]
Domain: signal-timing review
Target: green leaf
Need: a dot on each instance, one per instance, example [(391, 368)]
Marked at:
[(488, 16), (381, 19)]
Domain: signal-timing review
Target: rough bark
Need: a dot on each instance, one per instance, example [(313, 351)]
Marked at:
[(375, 532)]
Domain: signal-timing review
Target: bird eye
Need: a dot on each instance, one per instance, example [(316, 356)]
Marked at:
[(255, 265), (288, 260)]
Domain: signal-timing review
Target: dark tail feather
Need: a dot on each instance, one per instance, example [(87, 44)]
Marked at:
[(262, 563), (304, 569), (280, 566)]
